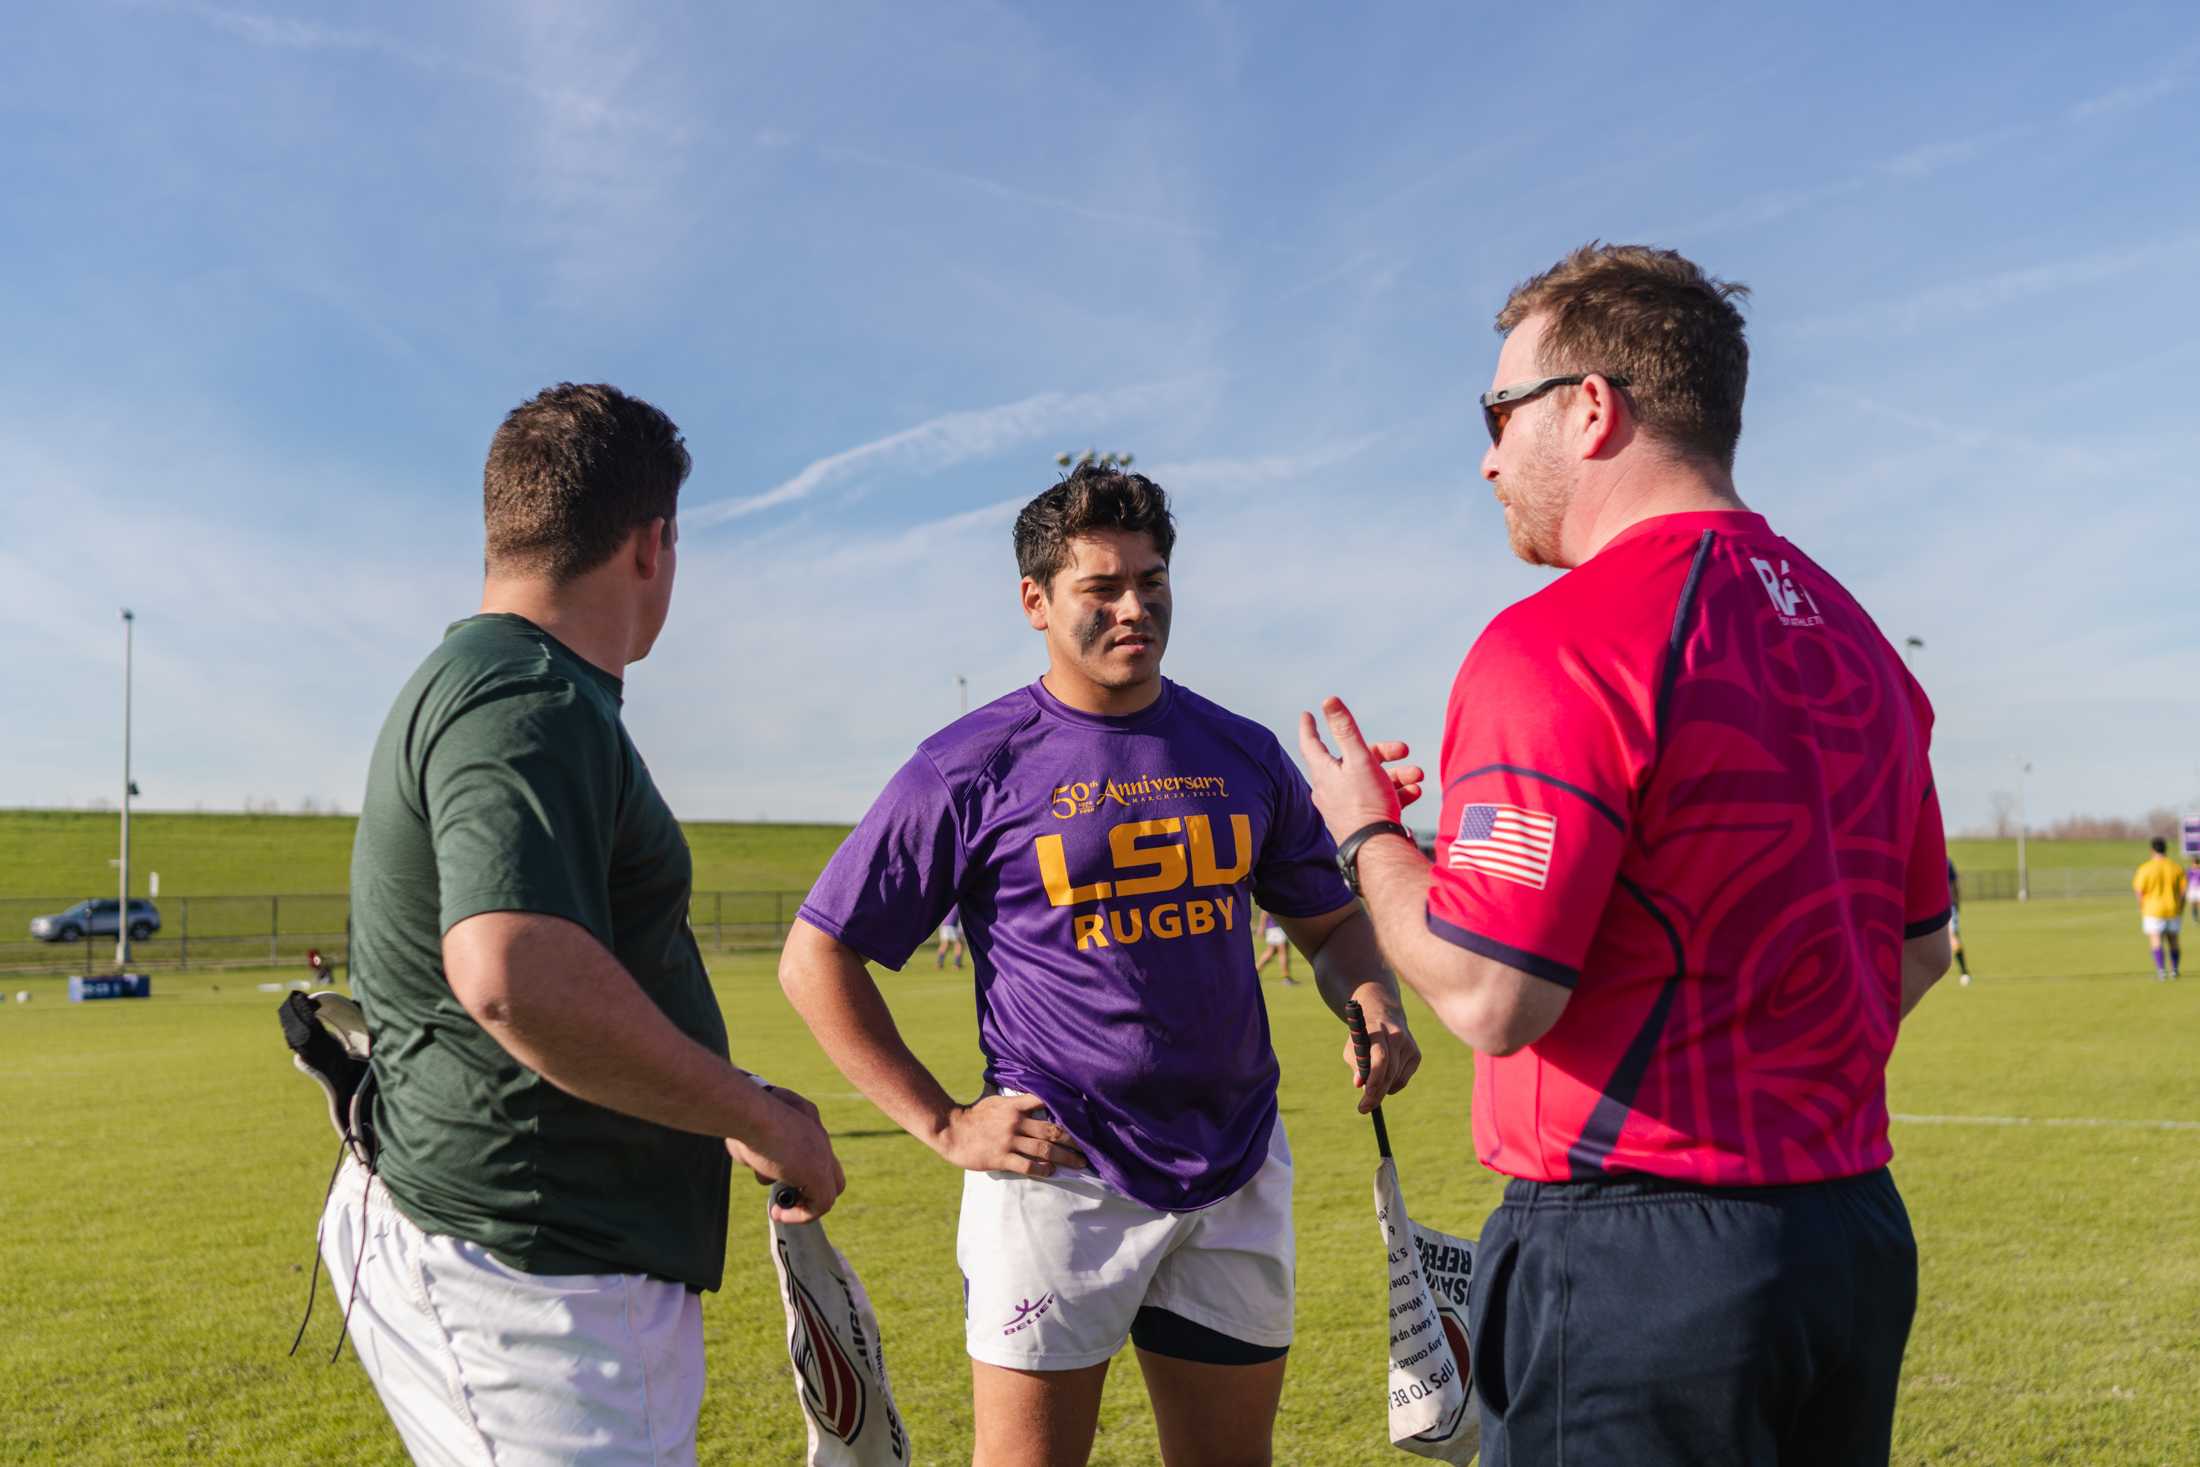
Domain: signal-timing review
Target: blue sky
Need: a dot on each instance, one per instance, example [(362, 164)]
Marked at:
[(271, 278)]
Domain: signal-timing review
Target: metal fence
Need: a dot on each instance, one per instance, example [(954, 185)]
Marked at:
[(278, 931), (2053, 884)]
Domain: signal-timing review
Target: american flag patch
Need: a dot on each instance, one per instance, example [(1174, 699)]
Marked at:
[(1507, 842)]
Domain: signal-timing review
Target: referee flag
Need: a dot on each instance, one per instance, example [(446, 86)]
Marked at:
[(1432, 1411), (832, 1338)]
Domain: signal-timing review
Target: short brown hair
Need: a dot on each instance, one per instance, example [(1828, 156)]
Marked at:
[(571, 472), (1654, 317), (1092, 498)]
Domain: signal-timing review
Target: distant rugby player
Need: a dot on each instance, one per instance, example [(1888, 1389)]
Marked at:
[(1103, 832), (2159, 885), (1275, 947), (1955, 922), (1691, 876), (951, 940)]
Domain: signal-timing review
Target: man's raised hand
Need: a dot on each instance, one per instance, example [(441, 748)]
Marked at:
[(1355, 787)]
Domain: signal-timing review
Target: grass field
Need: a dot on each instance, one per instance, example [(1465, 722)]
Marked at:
[(161, 1167)]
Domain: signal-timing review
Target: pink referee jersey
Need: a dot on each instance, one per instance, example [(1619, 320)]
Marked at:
[(1689, 781)]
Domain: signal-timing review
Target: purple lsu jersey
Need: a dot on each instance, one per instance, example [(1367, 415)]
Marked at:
[(1102, 868)]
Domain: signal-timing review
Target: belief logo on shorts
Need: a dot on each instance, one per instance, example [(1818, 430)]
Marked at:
[(1028, 1313)]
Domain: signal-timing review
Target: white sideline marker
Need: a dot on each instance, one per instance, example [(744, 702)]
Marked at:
[(2098, 1122)]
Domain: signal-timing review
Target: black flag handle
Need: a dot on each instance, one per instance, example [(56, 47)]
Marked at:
[(1358, 1022)]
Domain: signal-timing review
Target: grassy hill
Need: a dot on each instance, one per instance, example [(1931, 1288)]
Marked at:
[(68, 854), (2049, 855)]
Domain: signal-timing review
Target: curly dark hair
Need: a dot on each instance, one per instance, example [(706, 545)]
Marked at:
[(1091, 497), (571, 472)]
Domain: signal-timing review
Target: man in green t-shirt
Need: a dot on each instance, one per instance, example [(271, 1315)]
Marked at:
[(556, 1116)]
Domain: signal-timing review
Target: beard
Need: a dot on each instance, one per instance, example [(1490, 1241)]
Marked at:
[(1536, 497)]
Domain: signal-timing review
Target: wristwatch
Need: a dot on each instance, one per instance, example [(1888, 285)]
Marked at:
[(1348, 849)]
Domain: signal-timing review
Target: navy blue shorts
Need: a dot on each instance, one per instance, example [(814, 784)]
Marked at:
[(1649, 1322)]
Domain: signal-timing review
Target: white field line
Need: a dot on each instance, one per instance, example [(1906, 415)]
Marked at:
[(2110, 1123), (2099, 1122)]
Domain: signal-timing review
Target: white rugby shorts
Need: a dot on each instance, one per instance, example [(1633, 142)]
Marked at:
[(483, 1365), (1273, 936), (2160, 926), (949, 932), (1055, 1269)]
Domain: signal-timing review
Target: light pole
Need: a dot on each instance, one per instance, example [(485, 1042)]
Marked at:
[(962, 687), (122, 911), (2024, 879), (1911, 646)]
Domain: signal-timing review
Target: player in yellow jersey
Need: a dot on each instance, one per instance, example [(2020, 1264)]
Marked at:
[(2160, 886)]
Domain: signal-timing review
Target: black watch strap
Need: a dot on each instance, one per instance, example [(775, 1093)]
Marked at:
[(1348, 849)]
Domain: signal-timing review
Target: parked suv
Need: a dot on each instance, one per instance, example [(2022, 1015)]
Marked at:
[(96, 918)]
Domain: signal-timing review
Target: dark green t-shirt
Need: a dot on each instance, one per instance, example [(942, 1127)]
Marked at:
[(503, 781)]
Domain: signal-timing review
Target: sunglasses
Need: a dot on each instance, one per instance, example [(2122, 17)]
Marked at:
[(1499, 406)]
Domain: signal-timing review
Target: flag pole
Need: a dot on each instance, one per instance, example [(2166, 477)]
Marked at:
[(1358, 1022)]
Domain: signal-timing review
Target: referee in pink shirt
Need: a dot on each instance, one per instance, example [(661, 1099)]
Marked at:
[(1689, 878)]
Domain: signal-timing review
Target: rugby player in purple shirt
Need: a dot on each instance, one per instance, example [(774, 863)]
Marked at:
[(1104, 833)]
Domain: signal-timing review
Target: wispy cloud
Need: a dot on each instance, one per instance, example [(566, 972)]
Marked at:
[(1100, 212), (602, 173), (1912, 165), (949, 439), (1262, 471), (1228, 30), (1927, 159), (1980, 294), (1186, 480), (1935, 156), (1372, 268), (2127, 99), (287, 33), (1766, 207), (607, 177), (2131, 96), (291, 34)]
